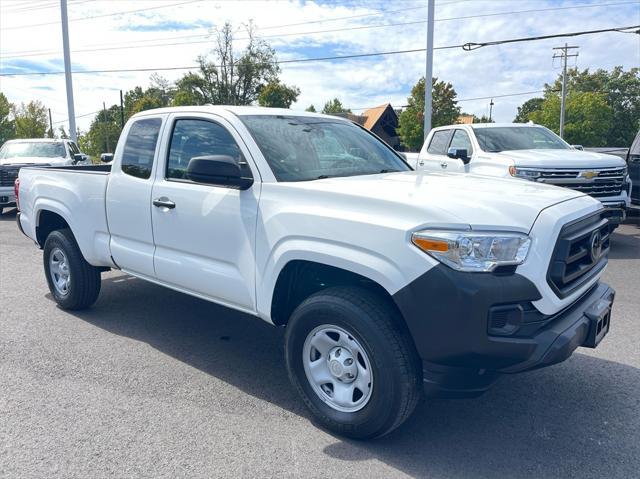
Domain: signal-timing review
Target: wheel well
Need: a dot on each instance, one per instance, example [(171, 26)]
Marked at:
[(300, 279), (48, 221)]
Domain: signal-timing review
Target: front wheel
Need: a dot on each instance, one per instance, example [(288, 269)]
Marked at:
[(353, 362), (73, 282)]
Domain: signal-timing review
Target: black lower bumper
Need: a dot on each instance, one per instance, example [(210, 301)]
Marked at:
[(616, 213), (452, 318)]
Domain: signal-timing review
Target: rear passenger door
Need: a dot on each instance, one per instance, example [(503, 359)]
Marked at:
[(129, 197), (205, 237)]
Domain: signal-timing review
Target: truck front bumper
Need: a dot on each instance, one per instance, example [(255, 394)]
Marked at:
[(7, 196), (470, 328)]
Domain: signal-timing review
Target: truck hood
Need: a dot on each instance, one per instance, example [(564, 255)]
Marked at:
[(560, 159), (33, 160), (439, 199)]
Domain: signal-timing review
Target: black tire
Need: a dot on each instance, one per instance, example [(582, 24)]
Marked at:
[(396, 367), (84, 279)]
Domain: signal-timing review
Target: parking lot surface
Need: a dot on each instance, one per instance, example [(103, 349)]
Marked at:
[(154, 383)]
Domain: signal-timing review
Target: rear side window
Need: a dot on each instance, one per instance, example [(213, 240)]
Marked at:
[(439, 142), (140, 147)]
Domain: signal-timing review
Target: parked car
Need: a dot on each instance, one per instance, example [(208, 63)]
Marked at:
[(387, 280), (530, 152), (15, 154), (633, 163)]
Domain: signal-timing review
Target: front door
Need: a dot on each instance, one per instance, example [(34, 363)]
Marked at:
[(205, 237)]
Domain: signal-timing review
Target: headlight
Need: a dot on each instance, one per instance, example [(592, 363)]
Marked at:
[(473, 251), (524, 173)]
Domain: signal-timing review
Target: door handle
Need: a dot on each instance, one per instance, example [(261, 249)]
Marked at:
[(444, 164), (421, 163), (164, 202)]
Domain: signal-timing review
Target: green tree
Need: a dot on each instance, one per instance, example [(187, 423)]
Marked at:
[(445, 111), (621, 90), (587, 119), (311, 109), (7, 124), (529, 106), (278, 95), (103, 133), (334, 107), (31, 120), (229, 77), (159, 94), (63, 133)]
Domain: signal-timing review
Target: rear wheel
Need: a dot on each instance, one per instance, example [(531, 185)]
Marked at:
[(353, 362), (73, 282)]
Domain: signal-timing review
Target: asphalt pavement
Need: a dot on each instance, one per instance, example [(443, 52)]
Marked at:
[(153, 383)]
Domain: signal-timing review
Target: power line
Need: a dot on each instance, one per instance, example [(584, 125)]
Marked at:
[(36, 53), (340, 57), (474, 46)]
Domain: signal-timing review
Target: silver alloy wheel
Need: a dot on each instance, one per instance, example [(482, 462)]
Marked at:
[(337, 368), (59, 271)]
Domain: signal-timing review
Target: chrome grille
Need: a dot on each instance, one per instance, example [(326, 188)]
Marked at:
[(597, 183), (575, 261), (8, 176)]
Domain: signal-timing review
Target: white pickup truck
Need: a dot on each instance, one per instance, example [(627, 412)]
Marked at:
[(527, 151), (15, 154), (388, 281)]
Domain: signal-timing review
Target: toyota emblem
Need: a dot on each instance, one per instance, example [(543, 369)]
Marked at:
[(596, 246)]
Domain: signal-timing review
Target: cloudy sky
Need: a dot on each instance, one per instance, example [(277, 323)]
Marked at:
[(164, 34)]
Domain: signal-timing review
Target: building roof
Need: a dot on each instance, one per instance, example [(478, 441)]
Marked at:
[(374, 114)]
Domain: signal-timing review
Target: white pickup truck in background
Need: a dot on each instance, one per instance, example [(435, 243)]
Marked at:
[(386, 279), (15, 154), (530, 152)]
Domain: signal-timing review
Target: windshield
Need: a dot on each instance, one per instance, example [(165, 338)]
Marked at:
[(518, 138), (25, 149), (301, 148)]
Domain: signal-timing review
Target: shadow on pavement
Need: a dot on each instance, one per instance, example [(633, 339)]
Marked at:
[(8, 214), (580, 418), (625, 244)]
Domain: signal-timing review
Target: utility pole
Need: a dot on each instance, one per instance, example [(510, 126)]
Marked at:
[(67, 70), (106, 127), (428, 77), (50, 124), (564, 54), (490, 109), (121, 111)]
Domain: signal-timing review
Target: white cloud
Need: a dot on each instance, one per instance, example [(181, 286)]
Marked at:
[(358, 83)]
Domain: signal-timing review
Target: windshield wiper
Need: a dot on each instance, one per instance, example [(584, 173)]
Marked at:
[(389, 171)]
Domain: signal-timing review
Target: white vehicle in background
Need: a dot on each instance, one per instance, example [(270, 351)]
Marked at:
[(15, 154), (530, 152)]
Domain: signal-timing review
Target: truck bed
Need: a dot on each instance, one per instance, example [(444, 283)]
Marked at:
[(76, 194), (101, 169)]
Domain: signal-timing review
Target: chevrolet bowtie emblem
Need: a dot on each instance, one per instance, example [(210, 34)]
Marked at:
[(588, 174)]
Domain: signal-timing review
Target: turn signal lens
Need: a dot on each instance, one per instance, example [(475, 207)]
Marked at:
[(427, 244)]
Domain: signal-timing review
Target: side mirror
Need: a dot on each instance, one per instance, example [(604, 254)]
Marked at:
[(460, 154), (78, 157), (106, 157), (220, 170), (577, 147)]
